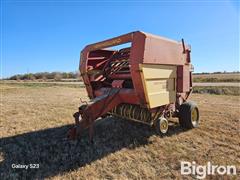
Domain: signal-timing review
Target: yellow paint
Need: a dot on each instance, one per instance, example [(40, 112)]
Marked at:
[(159, 84), (194, 115)]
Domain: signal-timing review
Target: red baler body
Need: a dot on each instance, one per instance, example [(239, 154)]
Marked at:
[(114, 78)]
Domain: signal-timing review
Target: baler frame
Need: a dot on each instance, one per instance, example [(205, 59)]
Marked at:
[(113, 91)]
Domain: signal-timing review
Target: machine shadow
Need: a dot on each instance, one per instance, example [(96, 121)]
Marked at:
[(56, 155)]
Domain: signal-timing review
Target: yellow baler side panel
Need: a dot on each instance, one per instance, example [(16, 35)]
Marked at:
[(159, 82)]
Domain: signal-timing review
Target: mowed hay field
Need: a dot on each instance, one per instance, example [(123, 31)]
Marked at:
[(34, 121), (217, 77)]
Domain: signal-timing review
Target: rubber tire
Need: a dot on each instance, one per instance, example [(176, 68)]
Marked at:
[(157, 126), (185, 115)]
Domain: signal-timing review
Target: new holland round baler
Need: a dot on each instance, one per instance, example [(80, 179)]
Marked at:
[(148, 81)]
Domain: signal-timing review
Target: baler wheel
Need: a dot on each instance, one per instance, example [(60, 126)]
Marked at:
[(189, 115), (161, 125)]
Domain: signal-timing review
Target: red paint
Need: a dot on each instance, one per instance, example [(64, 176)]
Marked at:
[(104, 70)]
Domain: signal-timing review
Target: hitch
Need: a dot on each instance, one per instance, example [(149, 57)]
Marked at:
[(87, 114)]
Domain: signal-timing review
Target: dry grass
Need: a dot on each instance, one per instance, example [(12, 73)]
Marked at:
[(34, 121), (219, 90), (222, 77)]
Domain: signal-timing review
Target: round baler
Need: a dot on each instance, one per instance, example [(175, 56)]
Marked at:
[(148, 80)]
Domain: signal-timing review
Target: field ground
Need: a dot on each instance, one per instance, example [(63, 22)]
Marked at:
[(217, 84), (34, 121), (221, 77), (232, 84), (219, 88), (210, 77)]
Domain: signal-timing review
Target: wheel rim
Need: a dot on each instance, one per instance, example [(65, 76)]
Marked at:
[(163, 126), (194, 115)]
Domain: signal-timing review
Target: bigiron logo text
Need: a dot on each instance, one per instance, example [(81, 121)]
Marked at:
[(201, 171)]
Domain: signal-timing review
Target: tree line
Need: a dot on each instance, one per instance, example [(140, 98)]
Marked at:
[(71, 75), (45, 76), (218, 72)]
